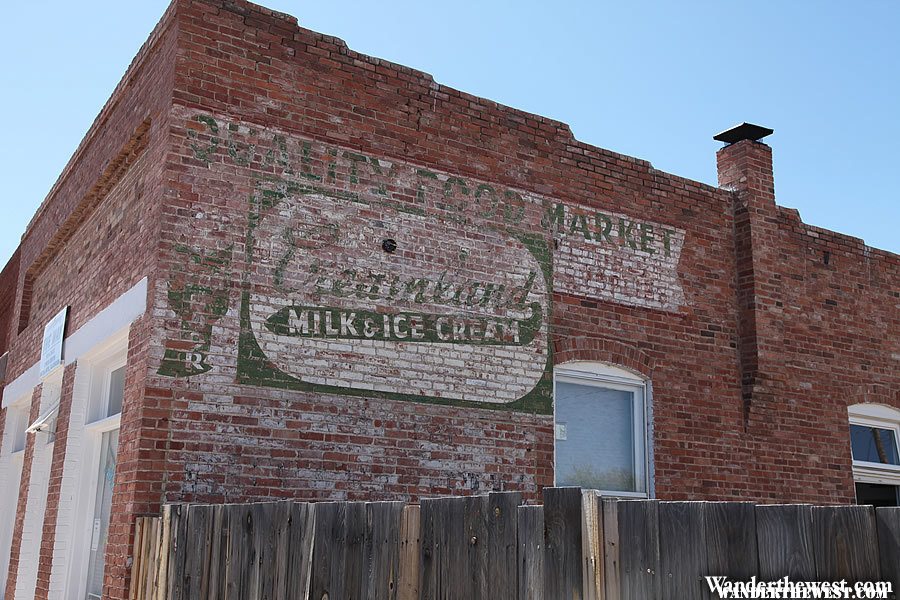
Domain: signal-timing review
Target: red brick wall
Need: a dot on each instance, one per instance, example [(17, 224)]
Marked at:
[(824, 335), (249, 69), (9, 277), (252, 70)]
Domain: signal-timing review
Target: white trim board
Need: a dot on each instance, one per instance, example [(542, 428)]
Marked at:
[(117, 315)]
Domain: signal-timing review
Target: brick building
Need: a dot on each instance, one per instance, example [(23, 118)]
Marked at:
[(288, 270)]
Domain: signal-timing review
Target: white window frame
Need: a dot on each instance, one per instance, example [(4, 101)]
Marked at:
[(38, 487), (612, 377), (881, 417), (19, 420), (99, 364), (11, 464), (101, 375)]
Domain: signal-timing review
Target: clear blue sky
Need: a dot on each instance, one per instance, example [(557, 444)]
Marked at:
[(654, 80)]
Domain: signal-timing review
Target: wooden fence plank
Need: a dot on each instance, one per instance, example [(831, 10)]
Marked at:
[(443, 549), (682, 550), (731, 540), (237, 574), (146, 549), (176, 552), (456, 582), (846, 543), (217, 553), (355, 560), (784, 534), (639, 549), (502, 548), (265, 537), (888, 522), (301, 540), (383, 524), (612, 584), (137, 565), (151, 557), (250, 582), (329, 551), (409, 578), (165, 550), (430, 540), (530, 559), (469, 546), (180, 550), (277, 548), (562, 543), (591, 545), (194, 541)]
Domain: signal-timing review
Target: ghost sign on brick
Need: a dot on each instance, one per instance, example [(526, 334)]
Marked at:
[(434, 320), (371, 276)]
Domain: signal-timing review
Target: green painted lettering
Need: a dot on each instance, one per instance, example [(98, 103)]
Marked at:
[(647, 238), (604, 227), (579, 223), (625, 231)]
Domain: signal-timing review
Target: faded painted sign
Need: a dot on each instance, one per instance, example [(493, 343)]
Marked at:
[(616, 257), (367, 276), (435, 318)]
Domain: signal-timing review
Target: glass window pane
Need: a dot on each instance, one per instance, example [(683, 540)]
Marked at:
[(100, 523), (877, 494), (20, 424), (116, 391), (874, 444), (595, 446)]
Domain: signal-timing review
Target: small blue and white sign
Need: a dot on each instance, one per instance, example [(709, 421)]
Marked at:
[(52, 345)]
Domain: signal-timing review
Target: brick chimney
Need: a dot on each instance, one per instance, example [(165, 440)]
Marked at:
[(745, 169)]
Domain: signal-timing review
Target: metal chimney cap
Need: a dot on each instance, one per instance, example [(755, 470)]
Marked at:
[(744, 131)]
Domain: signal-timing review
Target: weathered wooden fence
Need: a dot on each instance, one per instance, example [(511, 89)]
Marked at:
[(576, 546)]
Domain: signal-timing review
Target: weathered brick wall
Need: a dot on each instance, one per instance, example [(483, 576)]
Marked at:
[(296, 155), (9, 277), (822, 335)]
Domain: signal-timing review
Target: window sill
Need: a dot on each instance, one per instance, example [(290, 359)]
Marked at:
[(104, 425), (621, 495), (876, 473)]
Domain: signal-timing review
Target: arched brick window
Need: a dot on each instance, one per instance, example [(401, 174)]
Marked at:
[(601, 428)]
